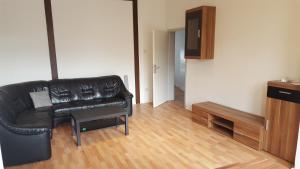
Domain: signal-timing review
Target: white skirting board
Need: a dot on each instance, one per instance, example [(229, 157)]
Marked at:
[(1, 162)]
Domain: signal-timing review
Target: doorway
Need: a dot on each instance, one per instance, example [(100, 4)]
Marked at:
[(179, 67), (169, 66)]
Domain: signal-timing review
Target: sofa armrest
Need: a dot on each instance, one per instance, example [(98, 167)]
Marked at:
[(24, 145), (30, 131), (25, 131), (125, 94)]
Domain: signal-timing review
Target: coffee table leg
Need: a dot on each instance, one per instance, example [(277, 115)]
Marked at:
[(73, 126), (117, 121), (126, 125), (78, 134)]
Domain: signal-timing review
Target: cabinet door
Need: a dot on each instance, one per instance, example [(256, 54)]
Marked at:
[(273, 130), (289, 130), (282, 128), (193, 33)]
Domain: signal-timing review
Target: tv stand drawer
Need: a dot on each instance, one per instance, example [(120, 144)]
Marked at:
[(247, 141)]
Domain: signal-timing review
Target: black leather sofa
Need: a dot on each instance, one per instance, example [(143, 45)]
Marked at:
[(25, 132)]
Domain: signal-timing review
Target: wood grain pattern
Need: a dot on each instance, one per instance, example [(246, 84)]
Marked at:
[(272, 139), (199, 116), (230, 113), (247, 128), (254, 164), (51, 39), (160, 138), (253, 135), (179, 96), (283, 125), (208, 23), (136, 50), (208, 27), (245, 139), (284, 85), (290, 129)]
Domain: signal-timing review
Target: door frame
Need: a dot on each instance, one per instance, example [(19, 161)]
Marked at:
[(52, 50)]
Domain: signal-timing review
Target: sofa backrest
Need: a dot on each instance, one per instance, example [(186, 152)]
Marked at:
[(67, 90), (15, 98)]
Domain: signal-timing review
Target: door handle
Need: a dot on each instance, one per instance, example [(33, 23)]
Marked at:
[(155, 68)]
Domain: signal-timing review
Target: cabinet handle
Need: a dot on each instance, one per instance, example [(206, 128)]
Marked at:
[(283, 92), (267, 125), (199, 33)]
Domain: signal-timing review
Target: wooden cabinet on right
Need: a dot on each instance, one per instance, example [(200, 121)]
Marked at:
[(282, 120), (200, 33)]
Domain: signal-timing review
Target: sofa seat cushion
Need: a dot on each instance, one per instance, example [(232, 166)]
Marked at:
[(35, 119), (64, 109), (114, 101)]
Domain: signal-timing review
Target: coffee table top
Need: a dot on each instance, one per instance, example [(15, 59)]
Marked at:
[(85, 115)]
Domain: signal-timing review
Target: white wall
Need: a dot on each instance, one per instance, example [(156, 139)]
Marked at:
[(294, 50), (151, 17), (94, 38), (256, 41), (180, 59), (24, 54), (23, 41)]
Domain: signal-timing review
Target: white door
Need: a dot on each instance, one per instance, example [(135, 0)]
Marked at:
[(160, 67), (297, 161)]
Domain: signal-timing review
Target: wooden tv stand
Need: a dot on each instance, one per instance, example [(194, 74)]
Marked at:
[(241, 126)]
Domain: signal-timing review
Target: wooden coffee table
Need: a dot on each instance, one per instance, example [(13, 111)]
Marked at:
[(88, 115)]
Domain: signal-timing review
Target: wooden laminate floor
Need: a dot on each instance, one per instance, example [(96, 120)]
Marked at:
[(179, 96), (160, 138)]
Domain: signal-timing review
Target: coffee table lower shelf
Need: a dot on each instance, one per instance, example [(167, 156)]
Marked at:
[(88, 115)]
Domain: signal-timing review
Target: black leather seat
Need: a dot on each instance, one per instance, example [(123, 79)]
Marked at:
[(63, 109), (114, 101), (25, 132), (35, 119), (74, 94)]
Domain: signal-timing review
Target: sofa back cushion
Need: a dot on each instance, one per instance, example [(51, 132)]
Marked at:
[(15, 98), (67, 90)]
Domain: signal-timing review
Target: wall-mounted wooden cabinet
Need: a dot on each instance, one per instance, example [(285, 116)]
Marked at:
[(200, 33)]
